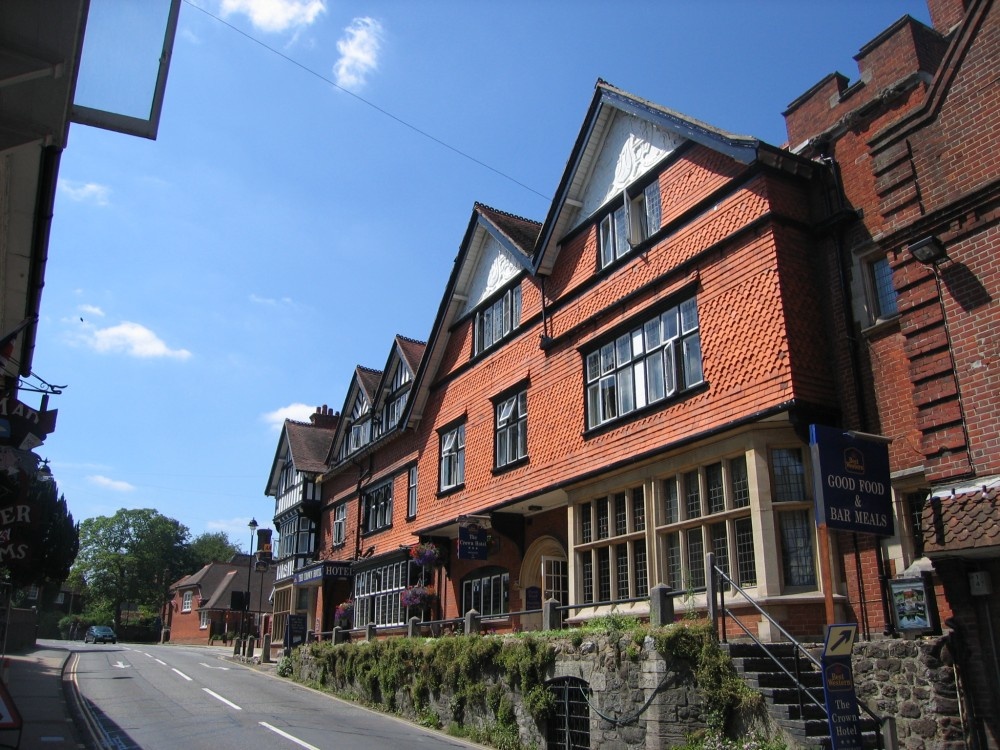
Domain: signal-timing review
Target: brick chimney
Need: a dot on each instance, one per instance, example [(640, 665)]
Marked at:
[(325, 417)]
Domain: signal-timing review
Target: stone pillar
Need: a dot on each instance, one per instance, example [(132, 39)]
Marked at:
[(237, 646), (370, 632), (265, 650), (471, 622), (661, 605), (250, 645), (413, 627), (551, 615)]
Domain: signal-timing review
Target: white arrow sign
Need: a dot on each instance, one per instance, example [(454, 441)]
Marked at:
[(121, 665)]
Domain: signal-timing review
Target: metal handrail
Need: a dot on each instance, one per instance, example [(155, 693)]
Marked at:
[(724, 610)]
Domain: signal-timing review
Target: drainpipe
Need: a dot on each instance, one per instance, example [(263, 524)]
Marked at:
[(847, 301)]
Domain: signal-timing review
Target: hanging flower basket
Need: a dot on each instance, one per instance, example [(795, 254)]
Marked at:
[(425, 554), (344, 610), (417, 596)]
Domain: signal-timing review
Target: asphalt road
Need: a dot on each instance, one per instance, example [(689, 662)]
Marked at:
[(158, 697)]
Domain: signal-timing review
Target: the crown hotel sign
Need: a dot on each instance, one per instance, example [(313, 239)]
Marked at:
[(851, 475)]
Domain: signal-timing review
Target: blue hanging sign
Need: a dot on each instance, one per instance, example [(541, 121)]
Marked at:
[(851, 475), (473, 542)]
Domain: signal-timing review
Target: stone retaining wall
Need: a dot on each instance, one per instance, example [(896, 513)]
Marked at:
[(915, 682)]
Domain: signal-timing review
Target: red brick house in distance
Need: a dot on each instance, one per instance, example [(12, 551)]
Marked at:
[(626, 385)]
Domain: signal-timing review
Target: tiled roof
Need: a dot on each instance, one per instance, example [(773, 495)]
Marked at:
[(369, 380), (412, 350), (310, 445), (522, 232), (964, 520)]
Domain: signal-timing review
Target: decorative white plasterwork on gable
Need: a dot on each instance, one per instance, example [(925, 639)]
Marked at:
[(496, 267), (631, 148)]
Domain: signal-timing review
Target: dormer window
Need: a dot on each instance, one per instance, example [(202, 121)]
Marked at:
[(393, 409), (498, 320), (360, 432), (637, 218)]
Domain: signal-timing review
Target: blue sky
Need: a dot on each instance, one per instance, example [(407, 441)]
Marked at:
[(316, 167)]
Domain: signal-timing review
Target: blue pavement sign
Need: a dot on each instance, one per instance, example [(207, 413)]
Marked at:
[(838, 688)]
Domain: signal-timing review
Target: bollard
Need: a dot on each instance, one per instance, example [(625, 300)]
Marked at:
[(250, 645), (237, 645), (413, 627), (370, 632), (265, 650)]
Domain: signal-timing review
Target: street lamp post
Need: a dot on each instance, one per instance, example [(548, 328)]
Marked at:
[(246, 602)]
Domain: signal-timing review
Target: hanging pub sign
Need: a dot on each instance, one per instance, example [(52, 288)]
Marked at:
[(24, 427), (851, 475), (264, 545), (473, 541)]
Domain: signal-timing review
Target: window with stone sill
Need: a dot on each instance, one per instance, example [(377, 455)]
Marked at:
[(701, 510), (794, 516), (881, 291), (611, 553), (186, 601)]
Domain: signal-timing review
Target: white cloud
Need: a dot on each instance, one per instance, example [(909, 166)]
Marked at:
[(270, 301), (298, 412), (132, 339), (91, 310), (276, 15), (85, 192), (110, 484), (358, 50)]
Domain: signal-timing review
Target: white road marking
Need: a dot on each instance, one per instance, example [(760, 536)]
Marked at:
[(121, 665), (209, 666), (220, 698), (160, 661), (181, 674), (287, 736)]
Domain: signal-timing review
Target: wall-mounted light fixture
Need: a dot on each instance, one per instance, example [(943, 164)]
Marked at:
[(929, 251)]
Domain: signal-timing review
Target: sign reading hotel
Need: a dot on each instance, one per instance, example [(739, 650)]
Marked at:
[(851, 475)]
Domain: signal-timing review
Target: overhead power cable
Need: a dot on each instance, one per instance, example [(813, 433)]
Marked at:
[(377, 108)]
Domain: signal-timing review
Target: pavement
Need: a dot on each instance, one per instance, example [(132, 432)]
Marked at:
[(47, 699)]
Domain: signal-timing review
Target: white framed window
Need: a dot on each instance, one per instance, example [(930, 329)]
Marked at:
[(186, 601), (637, 218), (411, 492), (487, 591), (376, 594), (555, 579), (511, 430), (287, 477), (32, 592), (203, 623), (306, 535), (340, 524), (497, 321), (649, 363), (452, 470), (376, 511)]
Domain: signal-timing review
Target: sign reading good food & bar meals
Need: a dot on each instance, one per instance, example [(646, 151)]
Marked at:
[(851, 474)]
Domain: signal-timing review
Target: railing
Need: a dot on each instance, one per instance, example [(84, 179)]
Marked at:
[(718, 581)]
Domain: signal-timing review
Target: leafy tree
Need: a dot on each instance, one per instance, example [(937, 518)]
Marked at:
[(52, 539), (209, 547), (122, 557)]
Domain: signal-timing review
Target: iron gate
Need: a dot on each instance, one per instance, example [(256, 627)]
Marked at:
[(569, 726)]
